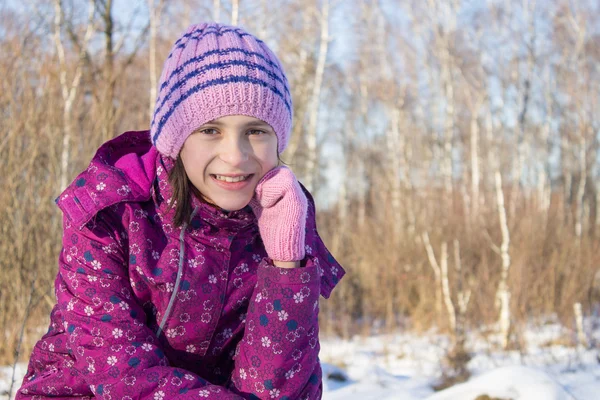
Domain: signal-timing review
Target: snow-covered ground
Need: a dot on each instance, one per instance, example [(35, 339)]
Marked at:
[(405, 366)]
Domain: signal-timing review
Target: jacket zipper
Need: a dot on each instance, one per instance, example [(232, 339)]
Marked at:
[(179, 274)]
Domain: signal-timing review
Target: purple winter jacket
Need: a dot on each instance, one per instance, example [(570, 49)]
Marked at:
[(148, 311)]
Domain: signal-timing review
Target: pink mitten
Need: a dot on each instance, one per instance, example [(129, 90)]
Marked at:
[(280, 207)]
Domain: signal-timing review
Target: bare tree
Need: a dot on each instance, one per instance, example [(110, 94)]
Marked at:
[(235, 12), (216, 10), (300, 76), (109, 73), (577, 24), (503, 294), (315, 101), (437, 273), (463, 295), (70, 89), (264, 17), (445, 14), (155, 11)]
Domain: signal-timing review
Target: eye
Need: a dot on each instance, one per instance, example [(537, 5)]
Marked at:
[(208, 131), (254, 132)]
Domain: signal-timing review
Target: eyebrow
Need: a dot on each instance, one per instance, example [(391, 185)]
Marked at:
[(247, 124)]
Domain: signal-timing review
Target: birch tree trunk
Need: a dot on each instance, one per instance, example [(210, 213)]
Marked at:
[(235, 12), (216, 10), (300, 71), (312, 155), (581, 337), (363, 99), (437, 274), (597, 222), (155, 12), (446, 289), (474, 133), (110, 75), (579, 30), (339, 234), (581, 185), (446, 11), (342, 218), (475, 103), (503, 294), (69, 89), (395, 150), (262, 29), (448, 126), (524, 145), (463, 295), (543, 181), (187, 15), (568, 179), (108, 107), (395, 137)]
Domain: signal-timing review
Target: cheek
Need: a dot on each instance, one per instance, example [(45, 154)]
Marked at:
[(193, 164), (267, 154)]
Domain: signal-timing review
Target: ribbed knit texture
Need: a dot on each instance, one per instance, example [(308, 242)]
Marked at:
[(216, 70), (280, 207)]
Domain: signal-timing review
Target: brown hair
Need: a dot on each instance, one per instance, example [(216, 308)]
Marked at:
[(182, 186)]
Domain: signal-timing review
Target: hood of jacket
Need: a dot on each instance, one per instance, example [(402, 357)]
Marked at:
[(128, 165)]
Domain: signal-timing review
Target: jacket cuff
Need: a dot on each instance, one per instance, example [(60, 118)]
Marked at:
[(309, 273)]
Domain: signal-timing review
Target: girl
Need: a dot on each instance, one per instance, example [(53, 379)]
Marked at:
[(191, 265)]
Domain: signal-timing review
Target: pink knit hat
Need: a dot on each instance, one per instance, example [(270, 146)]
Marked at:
[(213, 71)]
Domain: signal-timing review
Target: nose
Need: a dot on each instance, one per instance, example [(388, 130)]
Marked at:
[(234, 151)]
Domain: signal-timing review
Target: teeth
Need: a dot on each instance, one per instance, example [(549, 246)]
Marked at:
[(228, 179)]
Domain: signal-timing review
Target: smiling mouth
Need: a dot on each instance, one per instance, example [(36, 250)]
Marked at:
[(232, 179)]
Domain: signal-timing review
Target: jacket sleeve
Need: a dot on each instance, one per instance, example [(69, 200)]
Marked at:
[(278, 356), (114, 350)]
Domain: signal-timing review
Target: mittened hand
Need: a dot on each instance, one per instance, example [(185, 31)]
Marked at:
[(280, 207)]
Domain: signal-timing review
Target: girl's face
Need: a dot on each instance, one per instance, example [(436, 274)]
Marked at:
[(228, 148)]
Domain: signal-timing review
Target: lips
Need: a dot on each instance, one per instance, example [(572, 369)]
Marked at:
[(234, 176), (231, 175), (232, 185)]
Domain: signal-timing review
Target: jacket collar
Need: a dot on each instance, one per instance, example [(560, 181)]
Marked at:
[(121, 170)]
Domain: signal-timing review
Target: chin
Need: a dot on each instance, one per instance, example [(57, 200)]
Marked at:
[(232, 206)]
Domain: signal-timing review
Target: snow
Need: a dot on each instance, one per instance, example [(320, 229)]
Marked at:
[(514, 382), (406, 366)]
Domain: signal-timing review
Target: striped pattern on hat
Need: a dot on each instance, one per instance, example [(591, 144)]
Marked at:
[(216, 70)]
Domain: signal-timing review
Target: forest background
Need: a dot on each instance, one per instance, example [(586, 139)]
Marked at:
[(452, 147)]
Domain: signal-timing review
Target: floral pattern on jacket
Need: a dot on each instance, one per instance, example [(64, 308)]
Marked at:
[(149, 311)]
